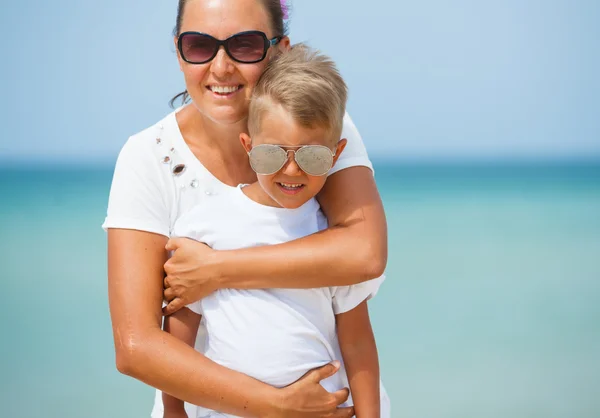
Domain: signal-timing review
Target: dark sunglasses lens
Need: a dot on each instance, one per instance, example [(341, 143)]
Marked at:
[(197, 48), (248, 47), (267, 159), (315, 160)]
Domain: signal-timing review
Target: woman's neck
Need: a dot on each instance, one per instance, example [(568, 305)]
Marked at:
[(217, 146)]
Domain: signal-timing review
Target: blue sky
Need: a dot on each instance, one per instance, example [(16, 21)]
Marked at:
[(429, 79)]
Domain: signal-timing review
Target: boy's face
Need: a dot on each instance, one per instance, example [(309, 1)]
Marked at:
[(290, 187)]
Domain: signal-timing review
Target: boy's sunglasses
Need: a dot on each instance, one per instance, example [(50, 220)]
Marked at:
[(315, 160), (245, 47)]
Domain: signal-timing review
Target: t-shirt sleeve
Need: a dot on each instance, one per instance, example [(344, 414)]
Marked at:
[(195, 307), (346, 298), (138, 194), (355, 153)]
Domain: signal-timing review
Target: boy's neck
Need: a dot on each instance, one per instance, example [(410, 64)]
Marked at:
[(256, 193)]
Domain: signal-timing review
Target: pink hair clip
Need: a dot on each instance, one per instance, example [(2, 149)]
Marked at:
[(285, 9)]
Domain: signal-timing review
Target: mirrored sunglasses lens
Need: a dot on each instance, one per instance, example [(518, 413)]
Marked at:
[(197, 48), (314, 160), (267, 159), (247, 48)]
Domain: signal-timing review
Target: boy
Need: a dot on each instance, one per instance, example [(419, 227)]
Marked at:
[(277, 335)]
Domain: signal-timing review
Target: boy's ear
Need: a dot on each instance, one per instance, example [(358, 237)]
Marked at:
[(284, 44), (246, 141), (338, 150)]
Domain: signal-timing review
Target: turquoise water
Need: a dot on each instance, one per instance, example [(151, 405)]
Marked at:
[(491, 307)]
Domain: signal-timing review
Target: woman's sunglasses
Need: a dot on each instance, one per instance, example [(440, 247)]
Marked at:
[(245, 47), (315, 160)]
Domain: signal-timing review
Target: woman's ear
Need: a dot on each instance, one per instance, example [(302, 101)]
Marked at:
[(339, 148), (175, 41), (246, 141)]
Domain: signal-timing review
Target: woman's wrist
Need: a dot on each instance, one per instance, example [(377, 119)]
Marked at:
[(223, 266), (276, 403)]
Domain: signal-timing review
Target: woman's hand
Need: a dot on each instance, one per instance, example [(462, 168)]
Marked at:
[(190, 275), (306, 398)]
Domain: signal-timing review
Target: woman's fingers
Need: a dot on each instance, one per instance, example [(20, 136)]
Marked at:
[(186, 270), (341, 396), (308, 398), (172, 244), (344, 412), (173, 306), (325, 371), (169, 294)]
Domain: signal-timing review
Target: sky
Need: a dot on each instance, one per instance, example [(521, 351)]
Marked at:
[(428, 79)]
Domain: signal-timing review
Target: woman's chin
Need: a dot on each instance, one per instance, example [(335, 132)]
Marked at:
[(225, 115)]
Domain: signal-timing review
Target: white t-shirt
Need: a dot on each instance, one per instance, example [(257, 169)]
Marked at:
[(273, 335), (145, 194)]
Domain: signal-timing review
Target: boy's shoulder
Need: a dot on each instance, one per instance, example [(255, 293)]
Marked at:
[(215, 204)]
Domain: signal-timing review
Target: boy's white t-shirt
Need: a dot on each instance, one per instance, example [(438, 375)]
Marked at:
[(146, 195), (273, 335)]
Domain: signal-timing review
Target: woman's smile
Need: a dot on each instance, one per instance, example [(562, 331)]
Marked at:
[(224, 91)]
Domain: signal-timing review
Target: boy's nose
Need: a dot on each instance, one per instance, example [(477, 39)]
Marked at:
[(291, 167)]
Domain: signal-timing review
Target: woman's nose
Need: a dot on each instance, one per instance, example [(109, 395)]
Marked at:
[(221, 63)]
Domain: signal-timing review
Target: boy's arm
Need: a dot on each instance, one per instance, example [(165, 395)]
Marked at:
[(359, 351), (183, 325)]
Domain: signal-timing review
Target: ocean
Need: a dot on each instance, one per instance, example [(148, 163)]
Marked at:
[(491, 307)]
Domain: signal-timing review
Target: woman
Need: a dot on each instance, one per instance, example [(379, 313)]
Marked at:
[(189, 156)]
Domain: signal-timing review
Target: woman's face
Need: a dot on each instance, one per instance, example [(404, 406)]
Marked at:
[(221, 19)]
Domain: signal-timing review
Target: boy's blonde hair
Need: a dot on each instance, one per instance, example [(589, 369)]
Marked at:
[(305, 83)]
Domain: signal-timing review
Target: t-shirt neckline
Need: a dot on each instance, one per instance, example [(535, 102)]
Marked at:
[(182, 147), (310, 206)]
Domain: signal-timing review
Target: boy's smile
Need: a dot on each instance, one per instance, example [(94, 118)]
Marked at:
[(290, 188)]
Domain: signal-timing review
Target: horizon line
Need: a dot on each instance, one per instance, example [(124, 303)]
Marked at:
[(569, 160)]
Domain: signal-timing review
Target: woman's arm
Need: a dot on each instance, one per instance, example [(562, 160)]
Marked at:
[(353, 249), (359, 351), (146, 352)]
